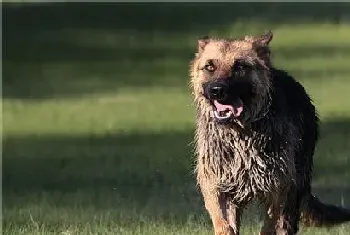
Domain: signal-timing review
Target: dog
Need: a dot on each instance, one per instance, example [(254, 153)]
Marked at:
[(256, 131)]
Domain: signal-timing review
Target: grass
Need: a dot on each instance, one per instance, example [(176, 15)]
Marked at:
[(98, 120)]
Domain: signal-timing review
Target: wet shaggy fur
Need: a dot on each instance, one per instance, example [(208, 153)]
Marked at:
[(264, 154)]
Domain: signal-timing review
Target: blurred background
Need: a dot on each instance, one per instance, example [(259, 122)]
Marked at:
[(98, 119)]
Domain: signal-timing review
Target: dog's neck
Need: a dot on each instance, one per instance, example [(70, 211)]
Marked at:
[(226, 153)]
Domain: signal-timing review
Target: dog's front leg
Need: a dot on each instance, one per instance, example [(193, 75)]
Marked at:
[(281, 216), (272, 213), (216, 205), (234, 212)]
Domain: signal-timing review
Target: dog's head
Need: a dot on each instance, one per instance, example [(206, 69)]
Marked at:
[(231, 79)]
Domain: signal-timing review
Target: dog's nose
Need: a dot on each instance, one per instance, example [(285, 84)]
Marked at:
[(218, 93)]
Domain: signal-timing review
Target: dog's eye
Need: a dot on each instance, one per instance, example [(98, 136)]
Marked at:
[(209, 67), (240, 65)]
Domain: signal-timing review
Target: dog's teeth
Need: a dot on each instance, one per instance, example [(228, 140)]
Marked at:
[(222, 117)]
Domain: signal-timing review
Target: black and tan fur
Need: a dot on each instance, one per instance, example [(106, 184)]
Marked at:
[(267, 153)]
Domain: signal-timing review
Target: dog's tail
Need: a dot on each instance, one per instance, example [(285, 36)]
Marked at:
[(316, 213)]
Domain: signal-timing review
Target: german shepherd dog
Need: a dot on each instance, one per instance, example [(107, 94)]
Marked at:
[(256, 130)]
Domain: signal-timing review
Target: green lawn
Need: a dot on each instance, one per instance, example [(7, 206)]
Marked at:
[(98, 119)]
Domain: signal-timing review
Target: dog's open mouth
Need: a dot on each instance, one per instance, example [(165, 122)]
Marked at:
[(224, 113)]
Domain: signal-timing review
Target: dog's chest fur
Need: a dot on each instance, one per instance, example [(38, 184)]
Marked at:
[(240, 164)]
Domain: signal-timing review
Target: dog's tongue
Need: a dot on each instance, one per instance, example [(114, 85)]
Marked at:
[(236, 109)]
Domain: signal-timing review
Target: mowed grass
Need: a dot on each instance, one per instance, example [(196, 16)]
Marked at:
[(98, 119)]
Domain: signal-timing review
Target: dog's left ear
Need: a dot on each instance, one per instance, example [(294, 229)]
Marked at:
[(261, 46), (263, 40)]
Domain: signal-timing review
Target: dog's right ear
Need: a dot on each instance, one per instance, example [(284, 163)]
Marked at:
[(202, 42)]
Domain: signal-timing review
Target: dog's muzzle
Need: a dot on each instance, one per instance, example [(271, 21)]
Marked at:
[(216, 91), (227, 106)]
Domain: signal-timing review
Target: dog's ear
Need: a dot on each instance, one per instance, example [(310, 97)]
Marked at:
[(263, 40), (202, 42), (261, 46)]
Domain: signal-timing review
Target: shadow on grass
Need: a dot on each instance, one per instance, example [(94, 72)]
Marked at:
[(147, 174), (67, 162), (160, 16), (71, 49), (134, 177), (82, 70)]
